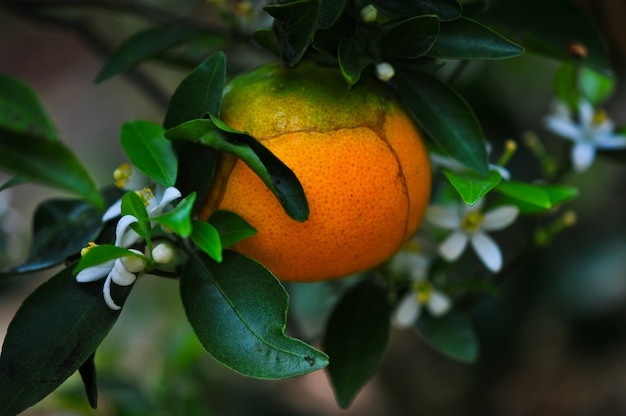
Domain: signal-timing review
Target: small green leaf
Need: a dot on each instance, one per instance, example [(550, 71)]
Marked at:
[(207, 238), (465, 38), (274, 173), (446, 117), (101, 254), (133, 205), (231, 227), (47, 162), (356, 339), (141, 46), (349, 60), (526, 193), (199, 93), (565, 85), (472, 187), (538, 199), (146, 146), (238, 310), (179, 219), (21, 110), (594, 86), (444, 9), (411, 38), (267, 39), (62, 323), (294, 25), (453, 335)]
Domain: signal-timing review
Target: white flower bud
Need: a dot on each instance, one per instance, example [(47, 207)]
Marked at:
[(369, 13), (134, 264), (384, 71), (163, 253)]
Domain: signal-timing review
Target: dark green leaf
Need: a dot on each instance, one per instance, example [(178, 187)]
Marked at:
[(444, 9), (565, 85), (267, 39), (465, 38), (196, 167), (133, 205), (146, 146), (101, 254), (294, 26), (453, 335), (21, 110), (274, 173), (199, 93), (446, 117), (411, 38), (14, 181), (47, 162), (329, 12), (61, 228), (349, 60), (88, 374), (472, 187), (141, 46), (356, 338), (556, 28), (207, 238), (179, 219), (231, 227), (57, 328), (238, 310)]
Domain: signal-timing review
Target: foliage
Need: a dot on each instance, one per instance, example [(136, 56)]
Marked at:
[(237, 308)]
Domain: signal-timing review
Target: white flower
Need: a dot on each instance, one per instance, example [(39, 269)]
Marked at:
[(120, 271), (384, 71), (469, 225), (591, 131)]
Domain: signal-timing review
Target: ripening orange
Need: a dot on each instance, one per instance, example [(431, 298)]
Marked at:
[(358, 156)]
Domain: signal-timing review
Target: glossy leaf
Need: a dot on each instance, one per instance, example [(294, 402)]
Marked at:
[(274, 173), (61, 228), (526, 193), (21, 110), (356, 339), (453, 336), (141, 46), (207, 238), (472, 187), (294, 25), (47, 162), (465, 38), (199, 93), (62, 322), (444, 9), (146, 146), (101, 254), (411, 38), (557, 28), (533, 199), (231, 227), (446, 117), (133, 205), (238, 310), (179, 218)]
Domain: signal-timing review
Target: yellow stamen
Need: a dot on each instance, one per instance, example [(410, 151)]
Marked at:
[(423, 290), (599, 116), (472, 220), (122, 174), (146, 195), (510, 147), (85, 250)]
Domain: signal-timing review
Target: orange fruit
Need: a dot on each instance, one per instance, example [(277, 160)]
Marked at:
[(358, 156)]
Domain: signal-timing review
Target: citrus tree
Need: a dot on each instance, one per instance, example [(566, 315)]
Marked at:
[(350, 158)]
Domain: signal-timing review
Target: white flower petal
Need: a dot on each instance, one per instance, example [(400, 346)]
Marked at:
[(500, 218), (453, 246), (586, 113), (106, 291), (610, 141), (91, 274), (114, 211), (488, 251), (444, 217), (124, 235), (120, 276), (170, 194), (582, 156), (439, 304), (564, 127), (407, 312)]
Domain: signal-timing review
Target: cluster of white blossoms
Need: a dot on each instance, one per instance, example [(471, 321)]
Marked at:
[(123, 271)]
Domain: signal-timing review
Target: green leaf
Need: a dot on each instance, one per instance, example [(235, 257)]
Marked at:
[(62, 323), (238, 310), (453, 336), (207, 238), (594, 86), (47, 162), (141, 46), (533, 199), (329, 12), (146, 146), (101, 254), (274, 173), (472, 187), (565, 84), (21, 110), (349, 53), (133, 205), (231, 227), (444, 9), (356, 339), (179, 219), (266, 38), (411, 38), (199, 93), (446, 117), (196, 168), (551, 28), (294, 25), (88, 375), (61, 228), (465, 38)]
